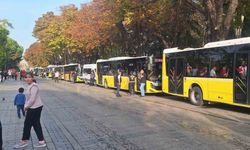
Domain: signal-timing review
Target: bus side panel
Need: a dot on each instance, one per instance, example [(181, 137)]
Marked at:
[(125, 83), (165, 84), (78, 79), (150, 88), (62, 76), (164, 75), (66, 77), (220, 90), (201, 82), (110, 81), (50, 75)]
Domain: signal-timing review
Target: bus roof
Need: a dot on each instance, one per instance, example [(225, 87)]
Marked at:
[(89, 66), (119, 58), (51, 66), (212, 45), (72, 64), (58, 66)]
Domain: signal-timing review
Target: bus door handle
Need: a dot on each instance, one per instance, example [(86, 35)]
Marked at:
[(220, 97)]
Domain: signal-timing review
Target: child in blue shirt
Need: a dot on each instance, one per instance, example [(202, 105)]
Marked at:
[(19, 102)]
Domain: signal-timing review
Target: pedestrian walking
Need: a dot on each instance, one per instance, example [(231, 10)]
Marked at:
[(74, 75), (142, 78), (33, 106), (132, 83), (92, 78), (5, 75), (9, 74), (118, 81), (1, 76), (16, 75), (57, 75), (19, 102)]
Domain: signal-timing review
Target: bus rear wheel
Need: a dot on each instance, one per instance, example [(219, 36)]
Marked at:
[(105, 84), (196, 96)]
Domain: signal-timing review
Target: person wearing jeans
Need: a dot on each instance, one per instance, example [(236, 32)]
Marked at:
[(19, 102), (142, 78), (33, 107), (118, 81)]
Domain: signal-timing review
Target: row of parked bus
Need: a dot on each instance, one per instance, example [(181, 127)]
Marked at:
[(67, 72), (217, 72)]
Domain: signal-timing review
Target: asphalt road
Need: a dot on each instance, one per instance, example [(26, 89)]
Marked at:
[(77, 116)]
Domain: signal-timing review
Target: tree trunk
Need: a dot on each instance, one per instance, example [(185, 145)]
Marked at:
[(229, 17), (219, 18)]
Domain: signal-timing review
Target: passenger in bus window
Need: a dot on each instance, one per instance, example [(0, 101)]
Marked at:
[(224, 72), (189, 70), (195, 71), (242, 70), (203, 72), (110, 72), (213, 72)]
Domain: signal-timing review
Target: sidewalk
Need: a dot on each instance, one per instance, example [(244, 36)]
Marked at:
[(12, 126)]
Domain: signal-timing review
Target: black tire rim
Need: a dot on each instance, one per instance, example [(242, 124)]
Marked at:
[(197, 96)]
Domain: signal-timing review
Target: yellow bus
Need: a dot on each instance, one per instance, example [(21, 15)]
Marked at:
[(68, 72), (107, 69), (49, 70), (38, 71), (216, 72)]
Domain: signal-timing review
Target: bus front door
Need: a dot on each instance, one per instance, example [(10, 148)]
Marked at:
[(241, 78), (176, 74)]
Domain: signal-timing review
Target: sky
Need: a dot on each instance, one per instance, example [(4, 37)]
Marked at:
[(23, 14)]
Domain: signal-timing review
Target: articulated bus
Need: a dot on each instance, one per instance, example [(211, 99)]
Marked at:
[(107, 69), (69, 69), (217, 72)]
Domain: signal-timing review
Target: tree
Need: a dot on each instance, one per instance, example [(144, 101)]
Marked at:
[(36, 56), (218, 15), (109, 28), (10, 50)]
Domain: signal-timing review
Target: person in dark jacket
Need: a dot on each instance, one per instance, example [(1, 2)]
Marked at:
[(132, 78), (19, 102), (118, 81)]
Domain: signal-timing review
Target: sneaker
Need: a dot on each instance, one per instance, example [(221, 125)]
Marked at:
[(40, 144), (22, 144)]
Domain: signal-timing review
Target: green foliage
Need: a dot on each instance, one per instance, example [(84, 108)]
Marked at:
[(10, 50)]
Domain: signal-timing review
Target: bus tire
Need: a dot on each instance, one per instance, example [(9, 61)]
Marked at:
[(196, 96), (105, 84)]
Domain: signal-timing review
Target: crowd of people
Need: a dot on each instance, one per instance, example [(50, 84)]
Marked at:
[(132, 80), (12, 74)]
